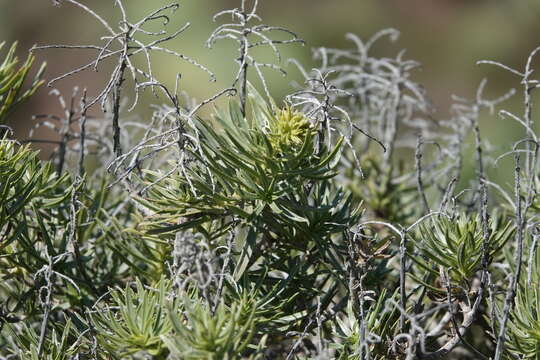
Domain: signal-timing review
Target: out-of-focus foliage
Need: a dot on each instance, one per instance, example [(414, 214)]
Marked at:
[(12, 81)]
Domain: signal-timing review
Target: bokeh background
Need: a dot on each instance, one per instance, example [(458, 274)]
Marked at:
[(446, 36)]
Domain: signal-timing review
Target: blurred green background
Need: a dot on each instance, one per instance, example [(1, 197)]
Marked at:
[(446, 36)]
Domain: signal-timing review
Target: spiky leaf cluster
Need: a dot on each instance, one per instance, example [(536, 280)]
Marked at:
[(12, 81)]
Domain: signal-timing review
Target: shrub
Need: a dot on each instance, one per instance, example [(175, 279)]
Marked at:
[(269, 229)]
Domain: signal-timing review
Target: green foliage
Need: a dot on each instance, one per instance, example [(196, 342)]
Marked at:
[(146, 254), (59, 346), (263, 231), (524, 326), (241, 173), (12, 81), (454, 247), (30, 195), (25, 183), (381, 194), (135, 320), (358, 341), (202, 333), (524, 322)]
